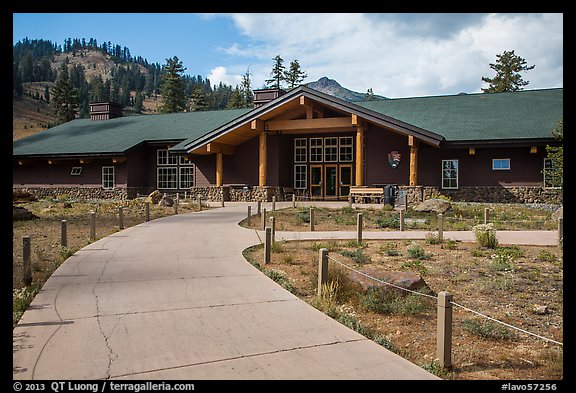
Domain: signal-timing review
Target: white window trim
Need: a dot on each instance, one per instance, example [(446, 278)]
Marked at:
[(104, 168), (181, 177), (76, 171), (326, 147), (346, 145), (297, 148), (305, 176), (321, 147), (168, 158), (501, 169), (457, 176), (185, 162), (158, 177)]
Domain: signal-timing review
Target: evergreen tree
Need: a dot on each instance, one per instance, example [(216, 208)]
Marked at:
[(508, 67), (236, 100), (369, 96), (198, 101), (555, 173), (277, 73), (64, 97), (246, 90), (139, 103), (294, 76), (173, 87)]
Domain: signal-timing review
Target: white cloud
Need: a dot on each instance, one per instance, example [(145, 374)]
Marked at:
[(220, 74), (400, 55)]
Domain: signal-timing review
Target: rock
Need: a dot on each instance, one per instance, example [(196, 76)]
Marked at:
[(558, 213), (166, 201), (434, 205), (20, 196), (408, 280), (67, 205), (22, 214), (540, 310), (154, 197)]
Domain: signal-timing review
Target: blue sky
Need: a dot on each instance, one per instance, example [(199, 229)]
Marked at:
[(397, 55)]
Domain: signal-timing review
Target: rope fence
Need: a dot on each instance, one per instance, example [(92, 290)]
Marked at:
[(445, 302)]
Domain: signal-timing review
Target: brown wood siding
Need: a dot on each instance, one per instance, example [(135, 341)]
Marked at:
[(242, 166), (138, 166), (205, 170), (378, 142)]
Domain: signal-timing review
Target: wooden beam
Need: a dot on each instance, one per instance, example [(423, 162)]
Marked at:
[(533, 149), (216, 147), (471, 151), (307, 124), (86, 160), (119, 160), (413, 161), (262, 160), (359, 181), (257, 125), (219, 169)]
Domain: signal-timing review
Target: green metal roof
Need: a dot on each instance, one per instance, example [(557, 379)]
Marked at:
[(528, 114), (523, 114), (116, 136)]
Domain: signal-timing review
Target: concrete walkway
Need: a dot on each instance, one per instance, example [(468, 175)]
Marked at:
[(175, 299)]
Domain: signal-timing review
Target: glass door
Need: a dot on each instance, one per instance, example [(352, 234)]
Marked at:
[(345, 180), (316, 181), (330, 180)]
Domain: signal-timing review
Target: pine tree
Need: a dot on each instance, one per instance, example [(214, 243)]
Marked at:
[(555, 173), (369, 96), (246, 90), (139, 103), (277, 73), (294, 76), (236, 100), (508, 67), (64, 97), (173, 87), (198, 100)]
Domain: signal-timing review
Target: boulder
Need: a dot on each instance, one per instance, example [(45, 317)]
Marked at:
[(154, 197), (20, 196), (166, 201), (558, 213), (540, 310), (408, 280), (434, 205), (22, 214)]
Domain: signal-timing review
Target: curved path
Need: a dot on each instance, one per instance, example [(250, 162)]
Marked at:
[(174, 298)]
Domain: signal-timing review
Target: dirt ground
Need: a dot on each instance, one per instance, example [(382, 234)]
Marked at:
[(510, 295)]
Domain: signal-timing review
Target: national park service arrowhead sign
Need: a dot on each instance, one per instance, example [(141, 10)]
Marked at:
[(394, 158)]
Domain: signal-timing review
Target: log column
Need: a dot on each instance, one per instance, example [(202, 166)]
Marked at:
[(219, 169), (413, 160), (262, 159), (359, 181)]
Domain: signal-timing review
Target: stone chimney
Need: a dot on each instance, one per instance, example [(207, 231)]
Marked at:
[(105, 110), (262, 96)]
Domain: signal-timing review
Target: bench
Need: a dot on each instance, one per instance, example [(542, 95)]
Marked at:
[(367, 192)]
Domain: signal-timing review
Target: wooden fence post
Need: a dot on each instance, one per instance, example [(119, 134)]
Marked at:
[(64, 234), (249, 217), (267, 245), (199, 203), (359, 227), (311, 219), (560, 230), (27, 274), (293, 201), (121, 217), (440, 226), (401, 219), (259, 209), (92, 226), (263, 218), (273, 203), (350, 200), (486, 215), (147, 211), (176, 203), (322, 269), (273, 227), (444, 330)]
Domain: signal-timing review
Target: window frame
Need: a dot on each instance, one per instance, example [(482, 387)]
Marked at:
[(298, 150), (342, 146), (319, 149), (169, 159), (108, 177), (494, 160), (334, 152), (181, 176), (163, 169), (299, 181), (456, 170), (76, 171)]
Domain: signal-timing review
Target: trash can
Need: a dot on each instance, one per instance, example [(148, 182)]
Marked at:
[(390, 194)]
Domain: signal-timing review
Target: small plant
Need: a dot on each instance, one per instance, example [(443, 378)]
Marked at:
[(279, 277), (415, 264), (347, 210), (546, 256), (512, 251), (357, 256), (277, 247), (288, 258), (432, 238), (488, 330), (502, 263), (355, 244), (417, 252), (477, 252), (389, 301), (390, 249), (388, 222), (303, 216), (331, 245), (450, 245), (486, 235), (435, 368), (327, 301)]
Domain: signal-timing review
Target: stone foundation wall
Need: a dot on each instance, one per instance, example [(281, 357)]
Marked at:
[(78, 192), (234, 194)]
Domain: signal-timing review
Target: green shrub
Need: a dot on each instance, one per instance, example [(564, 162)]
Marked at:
[(355, 244), (450, 245), (502, 263), (331, 245), (279, 277), (357, 256), (477, 252), (488, 330), (486, 235), (388, 222), (390, 249), (417, 252), (390, 301), (303, 216), (432, 238), (546, 256), (512, 251)]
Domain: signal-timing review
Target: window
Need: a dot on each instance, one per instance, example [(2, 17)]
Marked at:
[(551, 177), (346, 149), (315, 149), (501, 164), (186, 177), (300, 177), (300, 150), (165, 158), (449, 173), (185, 161), (330, 149), (167, 177), (108, 177), (76, 171)]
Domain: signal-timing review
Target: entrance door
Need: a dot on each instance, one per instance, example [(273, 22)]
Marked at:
[(331, 181), (316, 181), (345, 180)]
